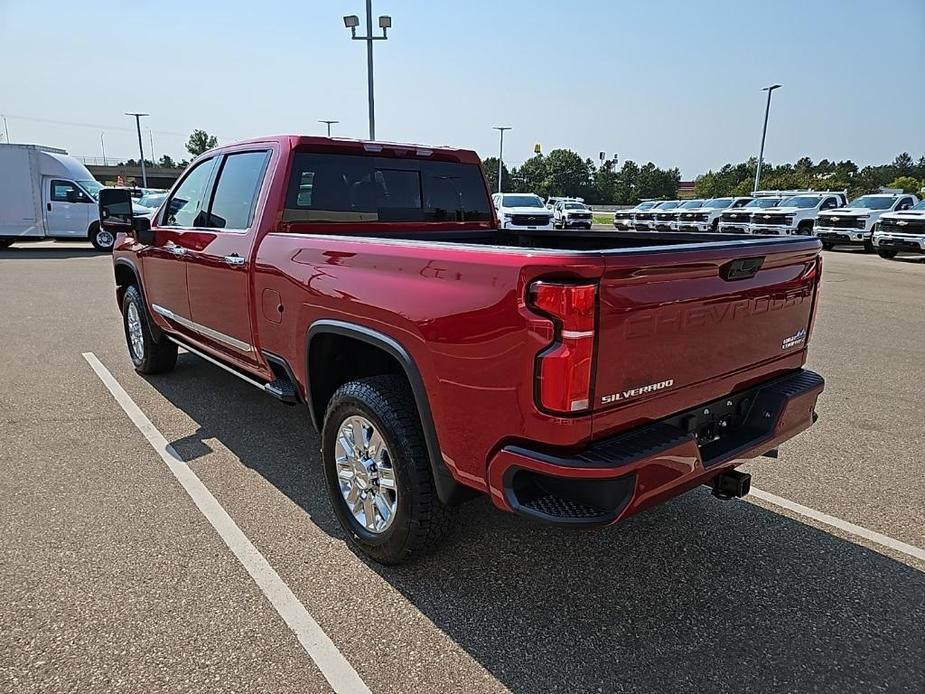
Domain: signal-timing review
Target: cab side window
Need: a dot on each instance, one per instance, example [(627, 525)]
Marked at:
[(185, 207), (62, 190), (830, 204), (905, 204)]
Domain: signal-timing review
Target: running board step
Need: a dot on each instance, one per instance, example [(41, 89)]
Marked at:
[(282, 389)]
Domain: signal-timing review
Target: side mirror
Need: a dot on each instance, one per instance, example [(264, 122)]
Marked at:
[(116, 210), (141, 229)]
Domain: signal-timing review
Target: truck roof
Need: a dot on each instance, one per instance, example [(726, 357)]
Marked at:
[(353, 145)]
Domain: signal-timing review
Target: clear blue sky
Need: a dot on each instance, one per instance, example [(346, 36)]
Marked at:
[(676, 83)]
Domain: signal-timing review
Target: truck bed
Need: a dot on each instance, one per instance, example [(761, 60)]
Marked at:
[(593, 240)]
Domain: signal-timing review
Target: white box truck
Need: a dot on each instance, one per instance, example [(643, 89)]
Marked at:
[(45, 194)]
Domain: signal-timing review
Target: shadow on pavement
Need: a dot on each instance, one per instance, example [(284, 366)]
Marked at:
[(696, 595), (28, 251)]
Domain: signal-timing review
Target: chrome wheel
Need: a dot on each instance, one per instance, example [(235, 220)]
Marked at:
[(104, 239), (365, 474), (135, 336)]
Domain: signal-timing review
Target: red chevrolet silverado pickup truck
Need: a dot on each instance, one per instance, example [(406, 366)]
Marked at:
[(573, 377)]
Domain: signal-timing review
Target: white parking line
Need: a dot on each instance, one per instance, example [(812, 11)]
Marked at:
[(335, 668), (851, 528)]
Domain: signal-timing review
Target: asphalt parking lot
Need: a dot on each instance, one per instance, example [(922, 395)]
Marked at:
[(112, 579)]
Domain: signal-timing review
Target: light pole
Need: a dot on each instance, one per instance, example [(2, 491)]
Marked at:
[(764, 132), (500, 129), (151, 140), (141, 151), (329, 123), (6, 129), (103, 146), (385, 23)]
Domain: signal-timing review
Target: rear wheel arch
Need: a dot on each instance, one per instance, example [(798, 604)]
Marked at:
[(338, 352)]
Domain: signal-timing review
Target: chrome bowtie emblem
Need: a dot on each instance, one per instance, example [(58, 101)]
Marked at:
[(902, 223)]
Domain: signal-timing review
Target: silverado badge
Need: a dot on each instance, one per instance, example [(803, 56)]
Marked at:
[(795, 340)]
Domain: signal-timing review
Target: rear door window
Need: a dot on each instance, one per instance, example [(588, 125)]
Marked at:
[(236, 190), (350, 188)]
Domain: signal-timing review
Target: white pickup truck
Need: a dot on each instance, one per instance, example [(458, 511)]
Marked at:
[(796, 214), (623, 220), (901, 232), (524, 211), (706, 217), (854, 224), (738, 220)]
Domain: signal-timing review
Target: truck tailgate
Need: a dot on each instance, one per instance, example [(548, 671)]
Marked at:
[(716, 314)]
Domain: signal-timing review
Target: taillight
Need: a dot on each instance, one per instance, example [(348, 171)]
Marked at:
[(564, 368), (817, 288)]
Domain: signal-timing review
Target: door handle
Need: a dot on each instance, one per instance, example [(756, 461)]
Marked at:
[(48, 206), (176, 250), (234, 260)]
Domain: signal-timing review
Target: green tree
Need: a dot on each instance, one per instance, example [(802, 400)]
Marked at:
[(531, 176), (904, 164), (627, 183), (490, 165), (167, 162), (908, 184), (605, 181), (567, 174), (200, 141)]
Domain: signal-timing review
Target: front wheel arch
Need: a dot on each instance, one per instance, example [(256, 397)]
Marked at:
[(805, 228)]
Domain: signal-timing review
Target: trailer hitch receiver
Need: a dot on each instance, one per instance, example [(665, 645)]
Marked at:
[(731, 485)]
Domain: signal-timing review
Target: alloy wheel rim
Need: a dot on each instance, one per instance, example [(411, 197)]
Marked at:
[(135, 336), (104, 239), (365, 474)]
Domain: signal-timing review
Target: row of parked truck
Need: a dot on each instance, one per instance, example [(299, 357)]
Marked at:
[(888, 222)]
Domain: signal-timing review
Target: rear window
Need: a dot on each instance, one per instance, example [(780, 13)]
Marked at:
[(351, 188)]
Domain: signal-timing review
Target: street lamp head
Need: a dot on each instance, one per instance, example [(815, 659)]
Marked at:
[(385, 22), (771, 88), (351, 21)]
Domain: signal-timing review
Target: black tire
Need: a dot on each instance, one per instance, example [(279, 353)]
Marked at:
[(828, 245), (421, 520), (869, 246), (157, 356), (101, 240), (886, 253), (5, 243), (805, 229)]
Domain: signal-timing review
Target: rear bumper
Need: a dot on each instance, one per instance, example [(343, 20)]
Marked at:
[(621, 475)]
